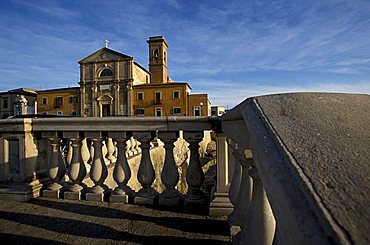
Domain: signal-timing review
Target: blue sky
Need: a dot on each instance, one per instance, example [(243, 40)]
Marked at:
[(229, 49)]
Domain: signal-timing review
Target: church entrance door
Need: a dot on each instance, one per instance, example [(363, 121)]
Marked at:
[(106, 110)]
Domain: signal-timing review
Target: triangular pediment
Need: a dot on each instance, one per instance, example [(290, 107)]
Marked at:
[(104, 54)]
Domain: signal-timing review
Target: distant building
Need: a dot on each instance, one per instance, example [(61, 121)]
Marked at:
[(217, 111), (18, 102), (59, 101), (113, 84)]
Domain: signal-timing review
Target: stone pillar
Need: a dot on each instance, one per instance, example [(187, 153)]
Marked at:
[(221, 205), (56, 169), (259, 225), (146, 174), (234, 219), (170, 175), (77, 169), (98, 171), (194, 175), (122, 171), (240, 214)]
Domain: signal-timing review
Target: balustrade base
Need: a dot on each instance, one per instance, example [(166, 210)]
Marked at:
[(20, 191), (73, 195), (98, 197), (220, 205), (195, 198), (55, 194), (170, 197), (114, 198), (146, 197), (169, 202)]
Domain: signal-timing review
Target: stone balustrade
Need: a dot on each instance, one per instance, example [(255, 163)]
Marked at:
[(285, 169), (77, 149)]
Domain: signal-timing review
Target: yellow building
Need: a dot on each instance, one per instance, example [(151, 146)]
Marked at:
[(59, 101), (168, 99), (113, 84)]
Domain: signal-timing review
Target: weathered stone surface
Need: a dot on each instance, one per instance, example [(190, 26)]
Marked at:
[(328, 136)]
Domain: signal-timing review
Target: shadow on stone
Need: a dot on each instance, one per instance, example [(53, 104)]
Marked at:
[(87, 229), (19, 239), (203, 226)]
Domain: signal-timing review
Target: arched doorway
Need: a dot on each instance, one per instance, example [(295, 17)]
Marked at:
[(105, 105)]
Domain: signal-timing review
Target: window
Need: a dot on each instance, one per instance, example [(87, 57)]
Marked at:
[(196, 111), (44, 113), (157, 97), (44, 101), (176, 110), (155, 54), (59, 112), (74, 113), (140, 111), (58, 102), (73, 99), (164, 56), (140, 96), (5, 103), (176, 94), (158, 112), (106, 73)]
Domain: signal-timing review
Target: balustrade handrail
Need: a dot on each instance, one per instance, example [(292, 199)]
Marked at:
[(301, 216), (173, 123)]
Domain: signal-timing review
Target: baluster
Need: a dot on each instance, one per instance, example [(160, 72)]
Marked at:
[(221, 204), (146, 174), (170, 175), (104, 151), (133, 144), (235, 183), (77, 169), (56, 168), (110, 150), (259, 225), (85, 154), (122, 171), (69, 153), (99, 171), (91, 151), (194, 175), (115, 150), (244, 193), (137, 147)]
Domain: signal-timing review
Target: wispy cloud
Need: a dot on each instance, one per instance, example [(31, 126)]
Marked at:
[(244, 48)]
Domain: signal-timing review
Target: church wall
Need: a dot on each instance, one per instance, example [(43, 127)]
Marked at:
[(140, 76)]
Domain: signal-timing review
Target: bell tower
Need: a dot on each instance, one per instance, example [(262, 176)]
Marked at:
[(158, 59)]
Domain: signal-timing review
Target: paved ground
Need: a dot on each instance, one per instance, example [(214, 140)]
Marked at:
[(49, 221)]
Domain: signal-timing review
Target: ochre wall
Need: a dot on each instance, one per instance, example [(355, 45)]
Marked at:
[(66, 108)]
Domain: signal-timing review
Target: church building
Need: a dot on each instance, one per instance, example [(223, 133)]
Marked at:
[(113, 84)]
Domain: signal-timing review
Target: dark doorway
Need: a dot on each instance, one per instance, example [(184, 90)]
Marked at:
[(106, 110)]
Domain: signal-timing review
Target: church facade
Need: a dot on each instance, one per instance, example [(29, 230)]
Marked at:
[(113, 84)]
